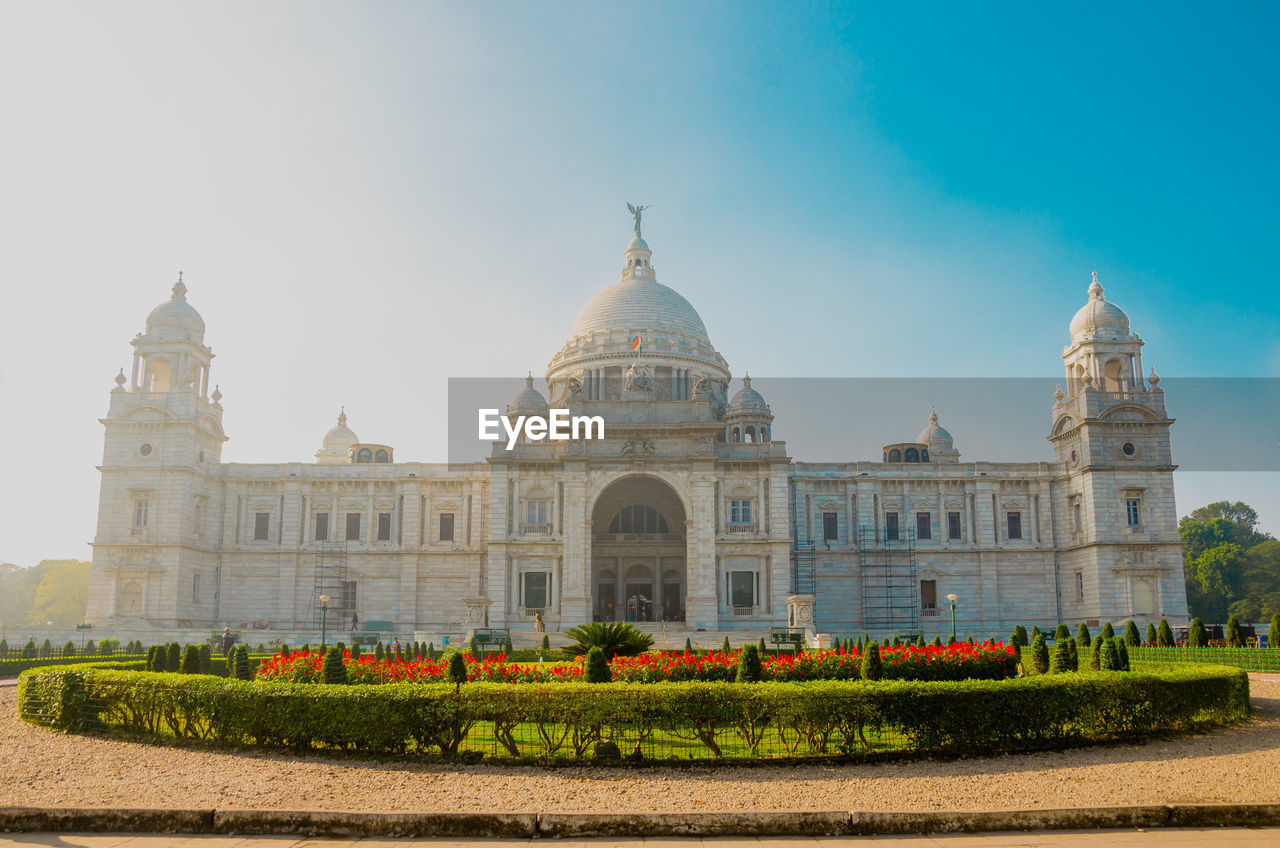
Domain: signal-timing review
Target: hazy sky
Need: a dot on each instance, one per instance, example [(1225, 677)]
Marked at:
[(367, 199)]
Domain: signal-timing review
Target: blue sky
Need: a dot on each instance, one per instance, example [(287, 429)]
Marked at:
[(370, 198)]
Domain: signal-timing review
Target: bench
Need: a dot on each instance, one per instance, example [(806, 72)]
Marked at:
[(790, 637), (486, 638)]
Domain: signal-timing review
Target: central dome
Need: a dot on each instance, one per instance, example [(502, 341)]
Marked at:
[(638, 303)]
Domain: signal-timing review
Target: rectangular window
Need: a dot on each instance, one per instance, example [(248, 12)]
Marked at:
[(1015, 525), (446, 526), (140, 510), (195, 588), (261, 524), (740, 512), (1131, 512), (924, 525), (322, 526), (535, 589), (953, 525), (1077, 516), (742, 585), (384, 527), (928, 595), (535, 512), (830, 527), (1079, 585), (353, 526), (891, 526)]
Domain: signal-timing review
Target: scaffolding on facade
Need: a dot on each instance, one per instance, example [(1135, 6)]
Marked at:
[(890, 592), (802, 556), (331, 581)]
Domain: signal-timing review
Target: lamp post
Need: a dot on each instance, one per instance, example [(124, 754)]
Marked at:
[(324, 616), (953, 598)]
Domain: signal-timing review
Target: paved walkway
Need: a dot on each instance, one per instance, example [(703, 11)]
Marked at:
[(1224, 837)]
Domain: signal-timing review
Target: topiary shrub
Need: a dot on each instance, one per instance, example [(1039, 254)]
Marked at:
[(920, 641), (1151, 635), (1040, 654), (206, 659), (306, 647), (90, 649), (1035, 631), (507, 647), (355, 651), (335, 672), (546, 642), (937, 642), (1235, 635), (896, 641), (872, 666), (1108, 656), (1164, 634), (951, 640), (378, 653), (1122, 651), (284, 650), (243, 671), (597, 670), (46, 650), (191, 660), (431, 651), (475, 648), (725, 648), (1083, 636), (69, 649), (688, 644), (1197, 635), (1273, 632), (4, 649), (749, 665), (29, 650), (761, 649), (151, 658), (173, 657), (1063, 632), (1095, 653), (457, 670), (1108, 632), (1073, 649), (1132, 638), (262, 649), (1061, 660), (1020, 633)]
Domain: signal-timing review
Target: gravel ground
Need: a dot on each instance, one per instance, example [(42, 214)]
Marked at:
[(43, 768)]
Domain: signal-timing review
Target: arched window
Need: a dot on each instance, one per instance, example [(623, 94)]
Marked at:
[(1112, 375), (911, 455), (381, 456), (365, 455), (160, 375), (895, 455), (639, 519), (750, 435), (1143, 598), (924, 454)]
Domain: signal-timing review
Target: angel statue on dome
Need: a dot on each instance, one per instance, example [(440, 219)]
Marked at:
[(635, 213)]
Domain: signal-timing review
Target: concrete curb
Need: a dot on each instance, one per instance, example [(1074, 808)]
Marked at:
[(556, 825)]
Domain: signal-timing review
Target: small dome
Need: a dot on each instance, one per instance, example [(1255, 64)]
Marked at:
[(1099, 318), (638, 243), (747, 399), (340, 437), (934, 434), (528, 402), (175, 318)]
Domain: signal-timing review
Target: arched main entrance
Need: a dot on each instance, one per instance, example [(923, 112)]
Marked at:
[(638, 552)]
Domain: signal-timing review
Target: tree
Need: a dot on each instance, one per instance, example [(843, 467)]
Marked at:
[(598, 670), (1151, 635), (191, 660), (1235, 635), (206, 659), (173, 658), (69, 649), (54, 590), (1095, 653), (726, 649), (1040, 654), (1108, 656), (546, 642), (1061, 661), (749, 664), (1062, 634), (615, 638), (688, 645), (243, 670), (457, 670), (1131, 636), (1197, 635), (335, 671), (1108, 632), (1123, 652), (872, 666), (1273, 633), (1164, 634), (1083, 636), (1019, 633)]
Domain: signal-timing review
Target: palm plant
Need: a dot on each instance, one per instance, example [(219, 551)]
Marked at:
[(614, 638)]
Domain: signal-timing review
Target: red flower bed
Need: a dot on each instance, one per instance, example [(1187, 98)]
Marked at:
[(961, 661)]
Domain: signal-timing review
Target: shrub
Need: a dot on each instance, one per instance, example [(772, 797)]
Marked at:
[(90, 649), (920, 641), (761, 650), (1235, 635), (1151, 635), (1197, 635), (306, 647), (474, 648), (1040, 654), (242, 669), (173, 657), (937, 642), (1108, 656), (190, 660), (1108, 632), (1273, 632), (457, 670), (1061, 662), (30, 650), (431, 649), (1164, 634), (46, 650), (507, 647), (614, 638), (378, 652), (1035, 631), (1083, 636), (1020, 633), (725, 648), (597, 667), (872, 666), (69, 649), (1095, 653), (688, 644), (4, 649), (749, 665), (546, 642), (355, 651), (951, 640), (1122, 650), (151, 658), (1132, 637), (284, 649), (108, 647), (206, 659), (334, 670)]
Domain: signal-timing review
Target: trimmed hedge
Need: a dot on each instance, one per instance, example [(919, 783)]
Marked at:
[(12, 668), (828, 718)]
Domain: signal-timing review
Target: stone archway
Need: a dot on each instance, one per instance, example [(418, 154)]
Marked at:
[(639, 548)]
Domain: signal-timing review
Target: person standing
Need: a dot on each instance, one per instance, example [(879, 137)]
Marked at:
[(227, 640)]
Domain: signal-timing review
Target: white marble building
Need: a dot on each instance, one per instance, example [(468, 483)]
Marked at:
[(689, 511)]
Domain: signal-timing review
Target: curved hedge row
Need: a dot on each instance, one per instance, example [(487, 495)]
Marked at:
[(532, 721)]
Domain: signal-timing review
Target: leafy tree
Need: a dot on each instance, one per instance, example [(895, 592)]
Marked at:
[(1197, 635), (191, 660), (54, 590), (1164, 634), (335, 672), (872, 665), (1273, 633), (1131, 636), (749, 665), (1040, 654), (1235, 635), (614, 638), (597, 670)]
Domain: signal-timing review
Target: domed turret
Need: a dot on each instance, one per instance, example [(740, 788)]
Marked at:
[(337, 442), (175, 318), (939, 440), (747, 399), (528, 402), (748, 418), (1099, 319)]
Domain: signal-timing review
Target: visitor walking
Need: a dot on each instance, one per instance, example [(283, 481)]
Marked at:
[(227, 640), (355, 621)]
